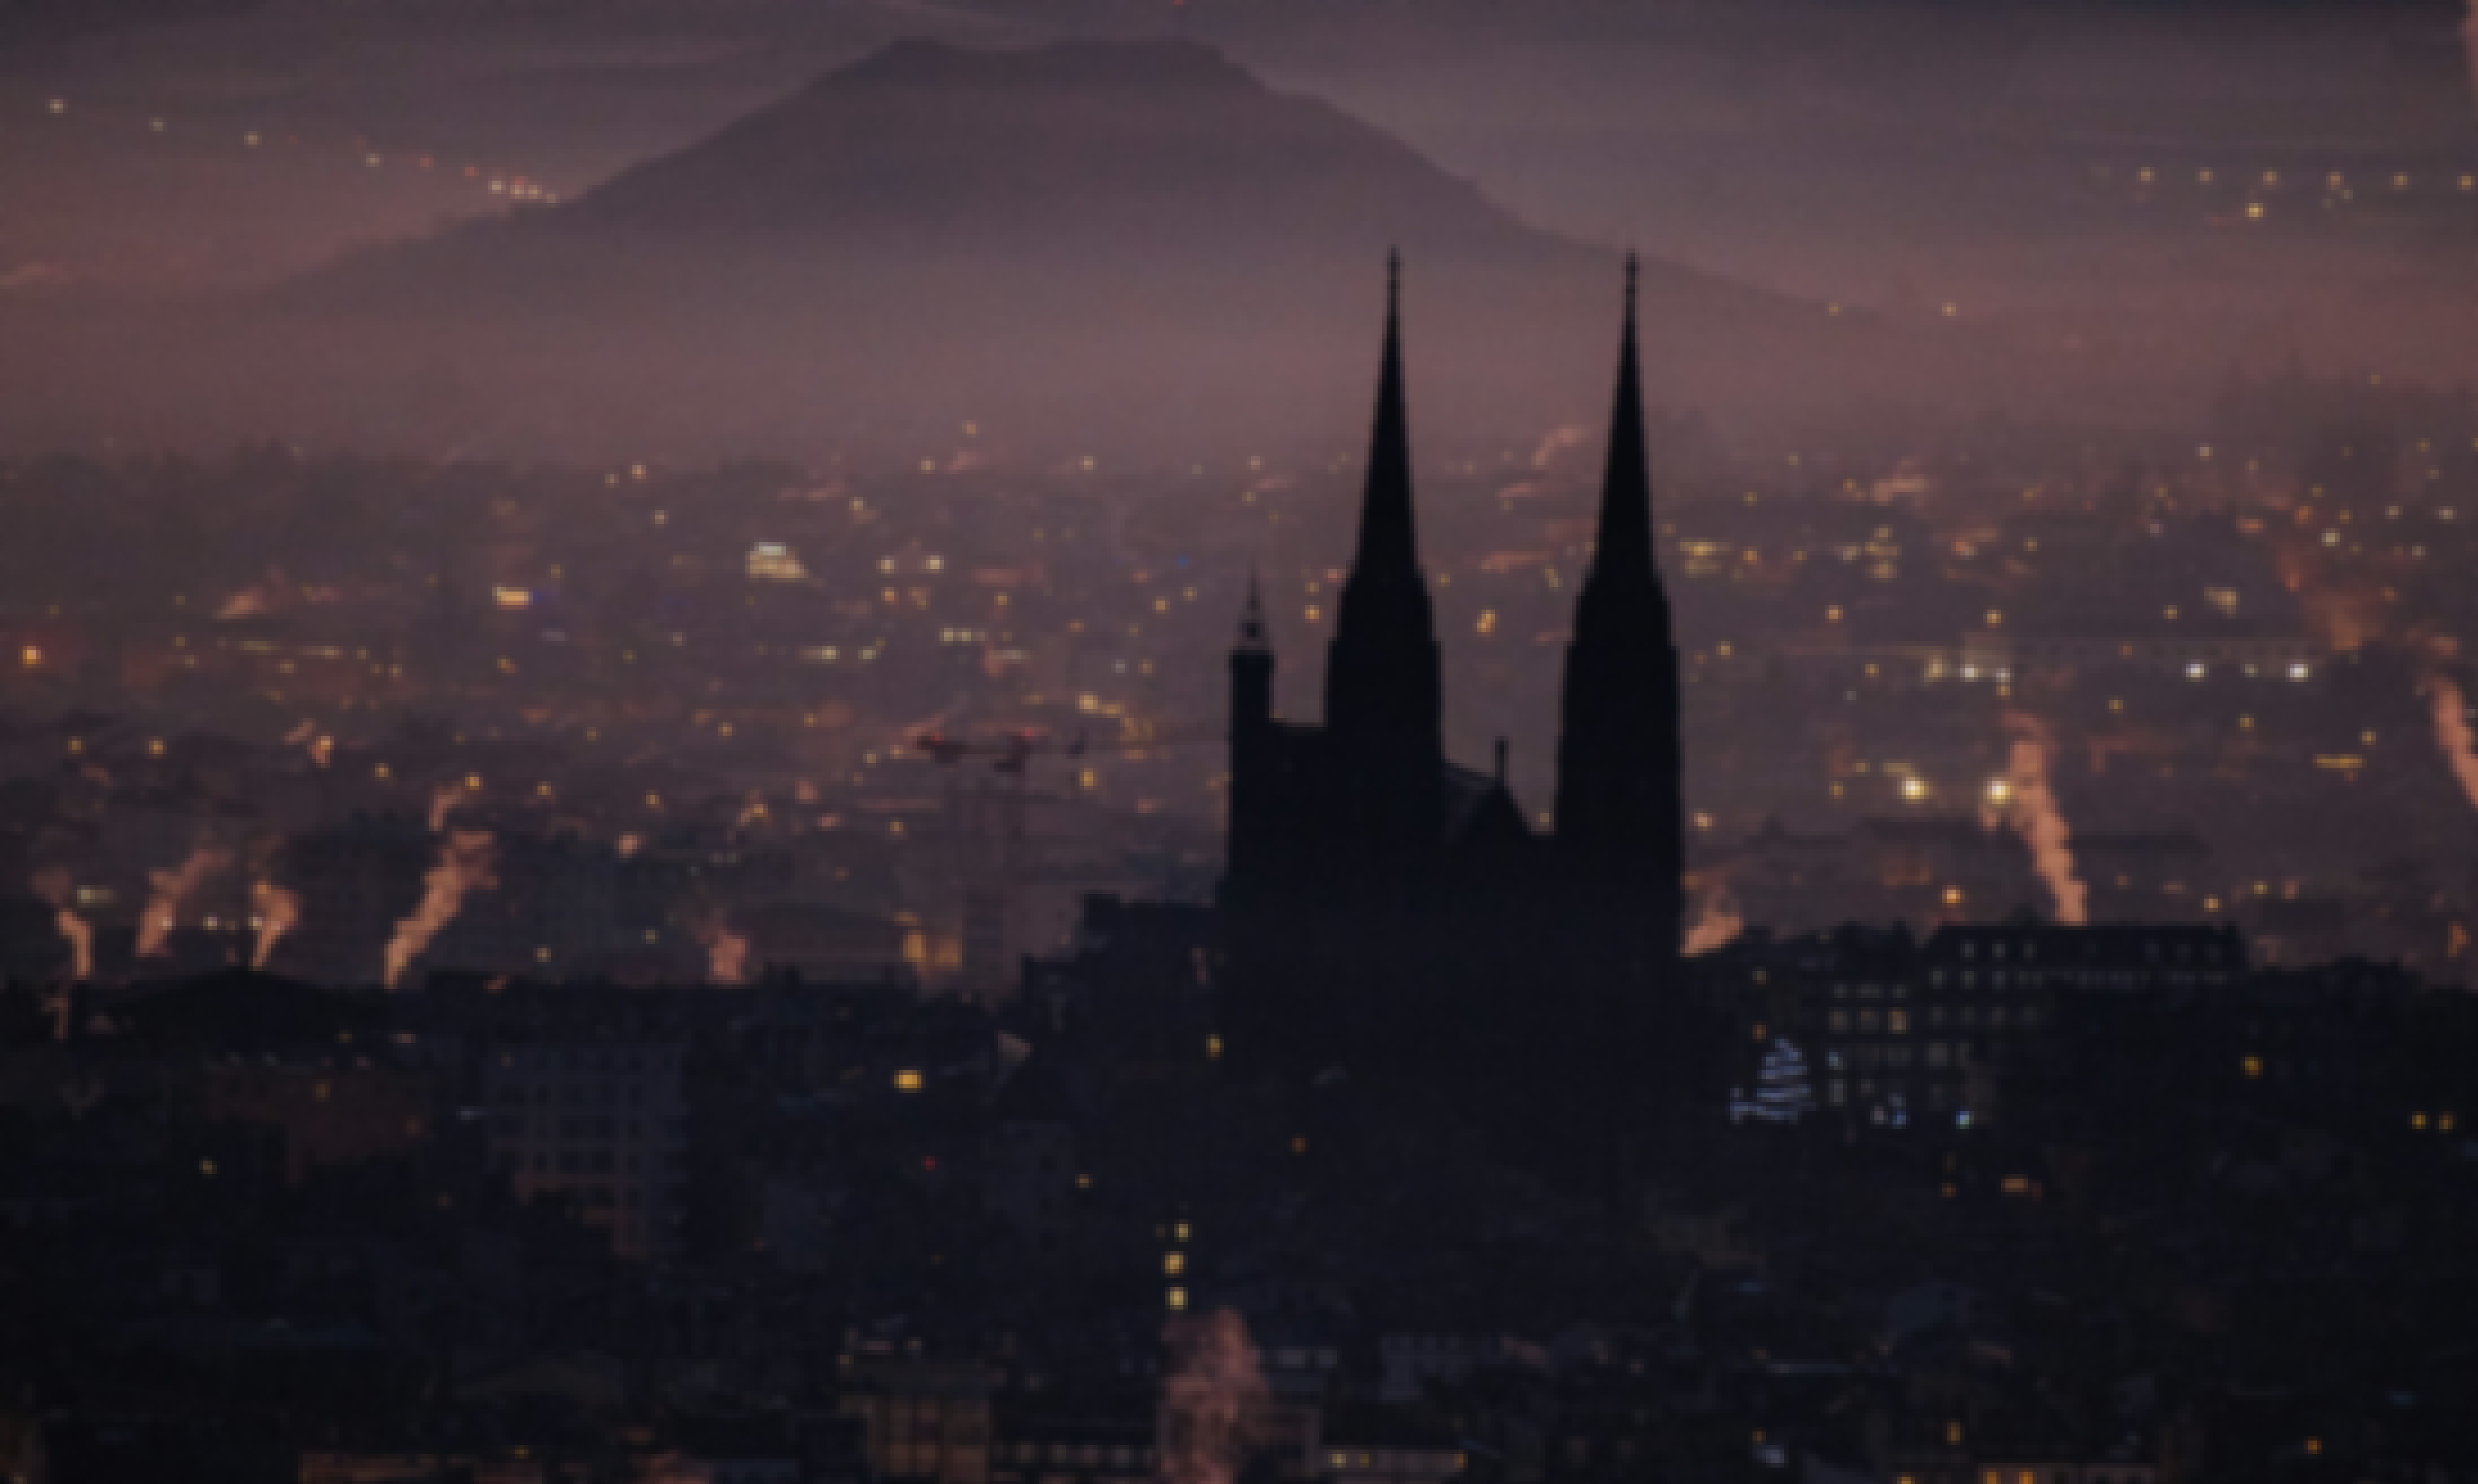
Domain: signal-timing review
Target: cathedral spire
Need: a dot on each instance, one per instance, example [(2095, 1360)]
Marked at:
[(1388, 545), (1619, 808), (1382, 704), (1622, 555)]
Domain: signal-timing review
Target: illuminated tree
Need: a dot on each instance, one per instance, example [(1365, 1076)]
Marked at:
[(1784, 1094)]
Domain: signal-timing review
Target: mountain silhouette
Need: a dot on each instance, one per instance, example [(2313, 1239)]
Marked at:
[(1074, 162), (1141, 146), (1136, 233)]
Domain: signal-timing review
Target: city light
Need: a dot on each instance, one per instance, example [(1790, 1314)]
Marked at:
[(1524, 794)]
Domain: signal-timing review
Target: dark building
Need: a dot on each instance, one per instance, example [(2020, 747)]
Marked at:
[(1389, 908), (1899, 1033)]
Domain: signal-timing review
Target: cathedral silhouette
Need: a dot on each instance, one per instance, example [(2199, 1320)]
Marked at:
[(1388, 911)]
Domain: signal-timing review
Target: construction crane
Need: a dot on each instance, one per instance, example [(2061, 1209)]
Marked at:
[(990, 878), (1012, 754), (1010, 757)]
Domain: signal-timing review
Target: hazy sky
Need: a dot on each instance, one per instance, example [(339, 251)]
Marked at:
[(1590, 118), (1904, 157)]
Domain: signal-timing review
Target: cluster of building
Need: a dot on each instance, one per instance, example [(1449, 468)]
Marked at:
[(2086, 1203), (2238, 644), (671, 1150)]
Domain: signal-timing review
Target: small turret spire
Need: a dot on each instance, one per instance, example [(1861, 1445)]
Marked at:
[(1252, 617)]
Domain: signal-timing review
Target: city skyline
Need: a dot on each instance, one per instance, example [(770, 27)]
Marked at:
[(635, 847)]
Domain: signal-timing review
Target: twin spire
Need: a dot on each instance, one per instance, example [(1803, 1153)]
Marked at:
[(1389, 547), (1383, 686), (1617, 805), (1624, 554)]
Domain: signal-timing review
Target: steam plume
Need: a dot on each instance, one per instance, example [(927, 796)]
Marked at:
[(1717, 922), (279, 912), (2448, 706), (52, 885), (1210, 1401), (2031, 808), (443, 799), (171, 891), (727, 952), (2452, 734), (1561, 440), (467, 862)]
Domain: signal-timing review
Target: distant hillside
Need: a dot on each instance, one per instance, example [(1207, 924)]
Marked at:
[(1158, 147), (1088, 240), (1096, 157)]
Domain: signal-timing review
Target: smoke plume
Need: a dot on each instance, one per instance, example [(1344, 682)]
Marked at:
[(2453, 737), (467, 863), (171, 891), (1717, 922), (53, 885), (727, 952), (278, 913), (1560, 440), (443, 799), (1210, 1400), (2029, 807)]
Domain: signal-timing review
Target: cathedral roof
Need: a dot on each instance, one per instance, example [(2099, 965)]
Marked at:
[(1479, 808)]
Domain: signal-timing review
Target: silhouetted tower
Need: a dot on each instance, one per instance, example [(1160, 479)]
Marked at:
[(1381, 691), (1251, 742), (1620, 811)]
